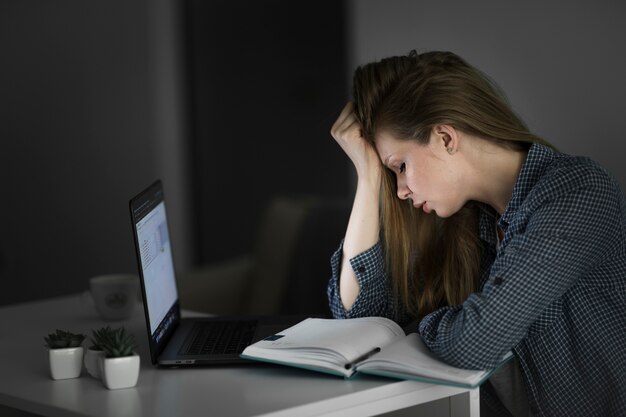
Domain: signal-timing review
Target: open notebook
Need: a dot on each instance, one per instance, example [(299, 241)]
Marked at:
[(370, 345)]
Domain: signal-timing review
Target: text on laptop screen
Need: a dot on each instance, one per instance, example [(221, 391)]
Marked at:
[(156, 264)]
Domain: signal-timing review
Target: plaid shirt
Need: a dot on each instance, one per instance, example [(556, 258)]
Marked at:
[(553, 292)]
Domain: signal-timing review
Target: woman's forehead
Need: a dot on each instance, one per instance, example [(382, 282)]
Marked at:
[(385, 139), (387, 144)]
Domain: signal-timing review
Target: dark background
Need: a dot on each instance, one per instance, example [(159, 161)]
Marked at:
[(230, 103), (262, 107)]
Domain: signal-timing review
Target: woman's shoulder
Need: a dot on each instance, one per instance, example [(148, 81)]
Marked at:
[(565, 179), (568, 173)]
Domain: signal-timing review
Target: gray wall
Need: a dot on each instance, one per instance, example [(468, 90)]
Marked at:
[(561, 63), (90, 113)]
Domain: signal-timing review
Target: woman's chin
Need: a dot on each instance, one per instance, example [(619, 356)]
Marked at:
[(428, 209), (445, 212), (441, 213)]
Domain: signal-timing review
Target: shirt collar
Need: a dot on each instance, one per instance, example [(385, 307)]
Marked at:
[(538, 158), (486, 223)]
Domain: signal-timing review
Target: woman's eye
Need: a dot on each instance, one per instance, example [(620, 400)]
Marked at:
[(402, 167)]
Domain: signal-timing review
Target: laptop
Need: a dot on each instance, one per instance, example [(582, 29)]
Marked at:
[(176, 341)]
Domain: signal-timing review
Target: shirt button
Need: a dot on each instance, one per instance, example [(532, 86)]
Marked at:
[(498, 281), (361, 269)]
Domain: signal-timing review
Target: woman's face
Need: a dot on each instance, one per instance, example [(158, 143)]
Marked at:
[(426, 174)]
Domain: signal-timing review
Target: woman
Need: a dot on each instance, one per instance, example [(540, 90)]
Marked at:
[(485, 234)]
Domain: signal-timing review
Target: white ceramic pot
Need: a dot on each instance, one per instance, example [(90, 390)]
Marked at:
[(65, 363), (92, 362), (120, 372)]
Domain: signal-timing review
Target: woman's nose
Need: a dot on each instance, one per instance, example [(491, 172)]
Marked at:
[(403, 191)]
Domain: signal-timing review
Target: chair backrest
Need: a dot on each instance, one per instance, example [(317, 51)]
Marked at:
[(276, 239), (309, 272), (296, 239)]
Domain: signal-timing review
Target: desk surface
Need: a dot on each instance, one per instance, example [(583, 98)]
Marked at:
[(257, 389)]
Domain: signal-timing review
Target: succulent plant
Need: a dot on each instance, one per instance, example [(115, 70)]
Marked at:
[(98, 336), (62, 339), (117, 343)]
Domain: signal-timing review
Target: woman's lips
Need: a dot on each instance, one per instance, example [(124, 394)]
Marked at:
[(424, 206)]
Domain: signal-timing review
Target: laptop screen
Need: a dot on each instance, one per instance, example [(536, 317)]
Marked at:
[(156, 264)]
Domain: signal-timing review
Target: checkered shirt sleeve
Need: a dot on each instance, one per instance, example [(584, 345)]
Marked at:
[(555, 294), (375, 296)]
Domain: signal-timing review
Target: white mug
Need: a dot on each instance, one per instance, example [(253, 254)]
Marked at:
[(115, 295)]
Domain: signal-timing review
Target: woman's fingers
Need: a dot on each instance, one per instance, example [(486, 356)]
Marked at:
[(348, 123), (348, 134), (346, 127), (345, 116)]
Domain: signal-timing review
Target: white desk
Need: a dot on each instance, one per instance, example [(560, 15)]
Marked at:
[(253, 390)]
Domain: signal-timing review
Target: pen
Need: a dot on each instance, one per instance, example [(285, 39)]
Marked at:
[(362, 357)]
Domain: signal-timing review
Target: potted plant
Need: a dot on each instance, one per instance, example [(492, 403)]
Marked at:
[(65, 354), (120, 365), (94, 354)]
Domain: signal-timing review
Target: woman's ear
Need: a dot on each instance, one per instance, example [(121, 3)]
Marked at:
[(446, 137)]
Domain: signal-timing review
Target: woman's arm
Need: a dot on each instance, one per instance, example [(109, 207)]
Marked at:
[(563, 238), (363, 227), (362, 233)]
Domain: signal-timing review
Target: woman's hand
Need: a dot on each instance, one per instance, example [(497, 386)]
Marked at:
[(347, 132)]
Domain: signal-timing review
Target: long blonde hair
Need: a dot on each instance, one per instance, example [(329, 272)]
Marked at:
[(432, 261)]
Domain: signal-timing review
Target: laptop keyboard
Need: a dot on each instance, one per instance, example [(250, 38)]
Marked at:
[(219, 337)]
